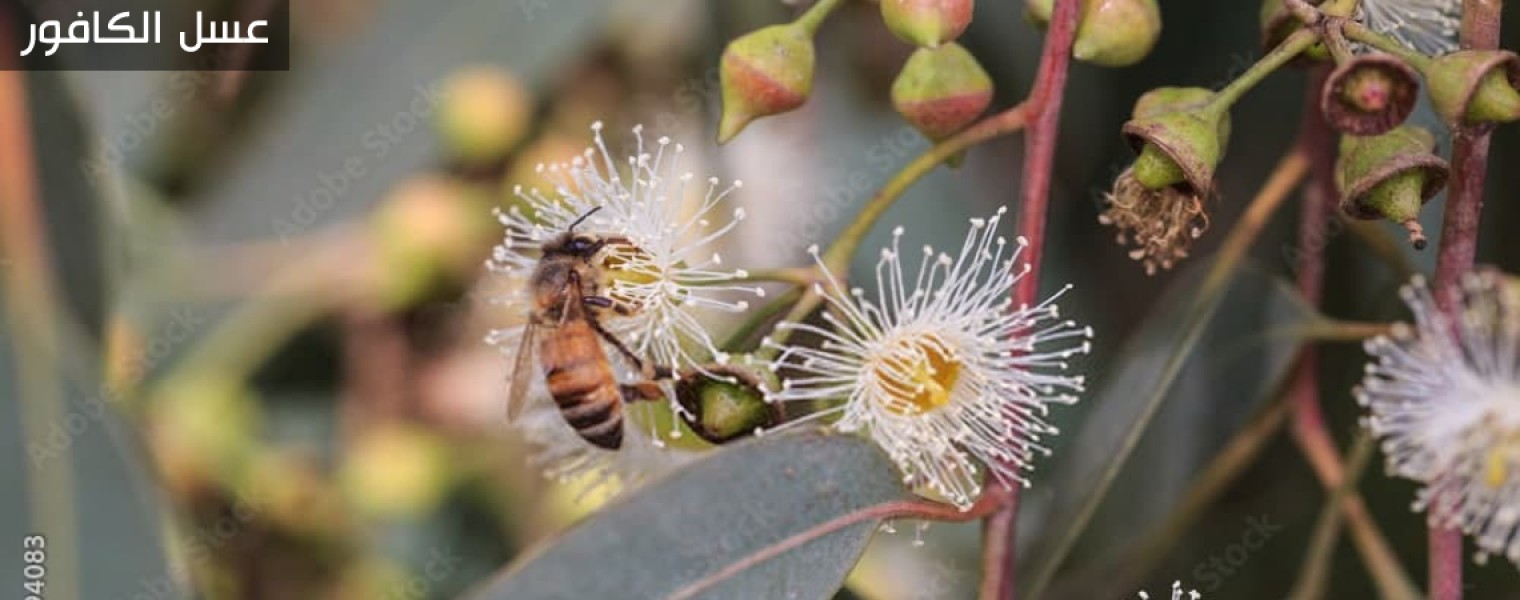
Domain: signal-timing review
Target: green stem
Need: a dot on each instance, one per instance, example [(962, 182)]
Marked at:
[(1279, 56), (838, 254), (1315, 574), (1339, 8), (815, 14), (759, 318), (1361, 33)]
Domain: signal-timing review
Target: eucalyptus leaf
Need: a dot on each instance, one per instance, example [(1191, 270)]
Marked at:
[(73, 483), (1142, 379), (704, 531)]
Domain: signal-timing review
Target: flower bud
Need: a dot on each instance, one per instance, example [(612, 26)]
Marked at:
[(941, 90), (1179, 139), (1037, 12), (395, 471), (427, 226), (1470, 87), (1390, 176), (1117, 33), (484, 114), (1369, 94), (724, 402), (926, 23), (765, 72), (1112, 33)]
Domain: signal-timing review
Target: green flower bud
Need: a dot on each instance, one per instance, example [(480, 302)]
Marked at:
[(484, 114), (941, 90), (725, 402), (395, 471), (926, 23), (1390, 176), (1117, 33), (765, 72), (1037, 12), (1179, 138), (1369, 94), (1471, 87)]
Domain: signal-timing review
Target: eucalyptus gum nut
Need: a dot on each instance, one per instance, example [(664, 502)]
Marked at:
[(1495, 101), (1377, 176), (1117, 33), (1193, 139), (1170, 99), (927, 23), (941, 90), (724, 408), (765, 72), (1369, 95), (1466, 87)]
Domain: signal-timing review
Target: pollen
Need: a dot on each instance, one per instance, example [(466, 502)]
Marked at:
[(919, 377)]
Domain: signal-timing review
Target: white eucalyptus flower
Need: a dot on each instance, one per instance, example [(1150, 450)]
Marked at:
[(666, 269), (1429, 26), (1443, 395), (941, 370), (1177, 593), (661, 268)]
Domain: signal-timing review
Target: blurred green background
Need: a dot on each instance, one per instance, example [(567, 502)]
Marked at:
[(260, 372)]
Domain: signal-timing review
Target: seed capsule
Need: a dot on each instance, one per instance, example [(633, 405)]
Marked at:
[(1391, 176)]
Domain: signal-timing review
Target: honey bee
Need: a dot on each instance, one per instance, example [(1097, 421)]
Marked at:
[(564, 321)]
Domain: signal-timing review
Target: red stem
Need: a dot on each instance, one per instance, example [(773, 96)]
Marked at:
[(1459, 246), (1039, 155), (1320, 199)]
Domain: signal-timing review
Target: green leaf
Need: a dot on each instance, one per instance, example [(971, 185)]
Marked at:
[(706, 531), (71, 473), (1132, 393)]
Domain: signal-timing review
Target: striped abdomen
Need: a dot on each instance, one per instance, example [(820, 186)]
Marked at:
[(583, 384)]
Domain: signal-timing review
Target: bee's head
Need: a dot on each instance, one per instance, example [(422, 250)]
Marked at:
[(581, 245)]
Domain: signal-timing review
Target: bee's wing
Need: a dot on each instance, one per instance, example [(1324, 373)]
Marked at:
[(522, 373)]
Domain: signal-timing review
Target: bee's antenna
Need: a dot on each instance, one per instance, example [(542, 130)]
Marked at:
[(583, 217)]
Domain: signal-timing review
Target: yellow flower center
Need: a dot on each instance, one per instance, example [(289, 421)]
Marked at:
[(1496, 462), (922, 383)]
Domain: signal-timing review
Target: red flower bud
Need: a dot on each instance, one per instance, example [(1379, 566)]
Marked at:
[(765, 72), (941, 90), (926, 23)]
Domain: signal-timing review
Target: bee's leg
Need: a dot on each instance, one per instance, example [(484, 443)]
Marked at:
[(643, 390), (650, 371), (621, 308)]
